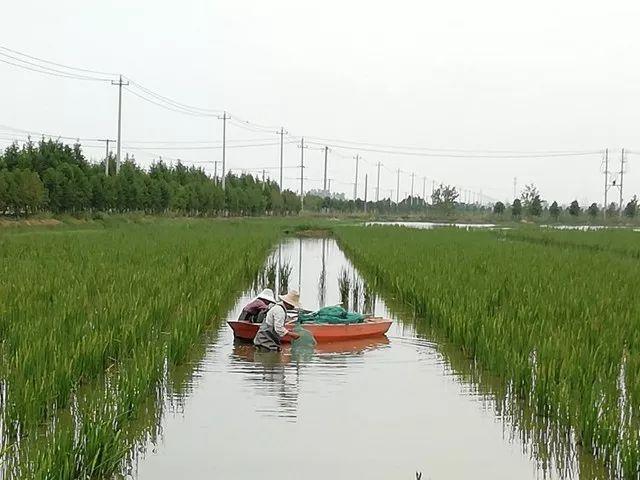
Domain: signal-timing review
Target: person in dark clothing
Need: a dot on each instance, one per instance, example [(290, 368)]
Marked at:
[(257, 309), (273, 329)]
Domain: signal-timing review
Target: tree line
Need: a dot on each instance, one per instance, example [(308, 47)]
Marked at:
[(531, 205), (52, 176), (55, 177)]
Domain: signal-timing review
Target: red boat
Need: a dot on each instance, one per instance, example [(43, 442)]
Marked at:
[(322, 332)]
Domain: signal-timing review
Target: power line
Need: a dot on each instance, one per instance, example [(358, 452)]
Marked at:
[(168, 107), (206, 111), (56, 64), (452, 155), (433, 149), (46, 72)]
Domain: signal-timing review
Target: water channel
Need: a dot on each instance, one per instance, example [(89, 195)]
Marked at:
[(377, 409)]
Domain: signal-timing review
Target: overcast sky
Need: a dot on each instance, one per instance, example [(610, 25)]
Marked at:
[(490, 75)]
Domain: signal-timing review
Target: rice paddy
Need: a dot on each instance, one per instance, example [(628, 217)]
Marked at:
[(96, 324), (549, 315), (91, 321)]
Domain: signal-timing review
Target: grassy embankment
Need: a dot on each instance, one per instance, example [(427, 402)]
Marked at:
[(556, 322), (91, 321)]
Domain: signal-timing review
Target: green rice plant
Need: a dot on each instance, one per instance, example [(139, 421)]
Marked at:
[(344, 287), (93, 320), (271, 272), (284, 273), (356, 290), (556, 326)]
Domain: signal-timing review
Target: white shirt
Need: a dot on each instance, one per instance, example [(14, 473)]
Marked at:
[(276, 318)]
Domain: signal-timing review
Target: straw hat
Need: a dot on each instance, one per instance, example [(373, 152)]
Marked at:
[(292, 298), (267, 294)]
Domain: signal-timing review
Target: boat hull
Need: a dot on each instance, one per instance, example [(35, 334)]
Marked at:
[(321, 332)]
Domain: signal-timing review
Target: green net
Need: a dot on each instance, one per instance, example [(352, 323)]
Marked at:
[(331, 315), (302, 348)]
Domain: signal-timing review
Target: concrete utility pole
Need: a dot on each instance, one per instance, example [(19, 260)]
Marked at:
[(433, 189), (324, 184), (106, 155), (224, 119), (366, 186), (282, 134), (606, 182), (263, 173), (302, 147), (120, 84), (398, 187), (378, 184), (621, 178), (413, 176), (424, 189), (355, 184), (515, 187)]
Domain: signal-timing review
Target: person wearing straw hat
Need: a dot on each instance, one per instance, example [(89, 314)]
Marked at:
[(272, 330), (257, 309)]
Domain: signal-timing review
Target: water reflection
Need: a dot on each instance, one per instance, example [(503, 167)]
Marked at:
[(278, 375)]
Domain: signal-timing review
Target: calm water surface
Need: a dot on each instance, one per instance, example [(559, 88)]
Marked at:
[(374, 409), (432, 225)]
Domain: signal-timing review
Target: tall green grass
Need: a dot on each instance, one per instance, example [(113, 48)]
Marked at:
[(91, 320), (622, 241), (558, 327)]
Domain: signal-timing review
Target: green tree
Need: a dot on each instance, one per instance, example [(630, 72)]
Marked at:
[(444, 197), (593, 210), (498, 208), (632, 208), (528, 195), (554, 210), (516, 208), (535, 206), (574, 209)]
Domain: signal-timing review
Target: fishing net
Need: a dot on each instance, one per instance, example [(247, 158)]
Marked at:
[(331, 315), (302, 348)]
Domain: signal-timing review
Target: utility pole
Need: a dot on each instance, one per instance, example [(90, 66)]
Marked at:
[(621, 178), (424, 189), (398, 187), (355, 184), (413, 175), (302, 147), (324, 184), (329, 186), (433, 189), (120, 84), (378, 184), (106, 155), (263, 178), (515, 187), (366, 186), (224, 119), (606, 183), (282, 134)]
